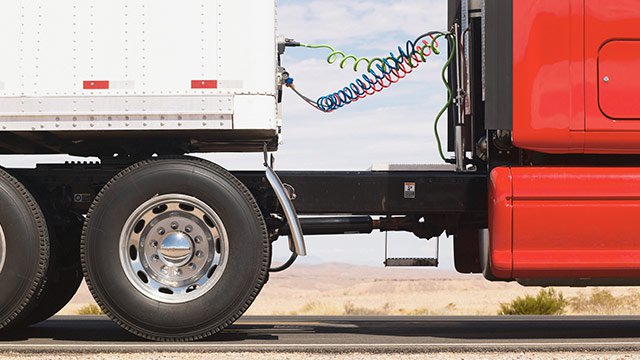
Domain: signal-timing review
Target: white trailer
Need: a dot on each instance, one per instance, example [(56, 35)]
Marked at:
[(129, 80), (172, 247), (85, 76)]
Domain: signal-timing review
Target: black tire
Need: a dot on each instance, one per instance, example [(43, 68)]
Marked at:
[(26, 259), (65, 270), (236, 288)]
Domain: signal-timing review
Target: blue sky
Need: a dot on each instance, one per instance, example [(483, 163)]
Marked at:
[(394, 126), (391, 127)]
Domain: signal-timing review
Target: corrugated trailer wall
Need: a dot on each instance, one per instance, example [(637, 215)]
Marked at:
[(138, 65)]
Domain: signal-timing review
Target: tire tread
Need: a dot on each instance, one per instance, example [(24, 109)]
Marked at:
[(43, 256), (264, 266)]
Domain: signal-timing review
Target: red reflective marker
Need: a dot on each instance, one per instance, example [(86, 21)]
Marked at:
[(95, 85), (204, 84)]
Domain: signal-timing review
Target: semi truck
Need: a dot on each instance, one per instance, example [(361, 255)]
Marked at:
[(543, 187)]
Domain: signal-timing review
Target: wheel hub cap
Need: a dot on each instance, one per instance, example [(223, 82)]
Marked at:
[(173, 248), (176, 249)]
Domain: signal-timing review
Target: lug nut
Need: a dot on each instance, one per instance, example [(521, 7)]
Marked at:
[(174, 225), (178, 272), (188, 229), (192, 266), (154, 243), (198, 239), (199, 253), (164, 269), (161, 231), (155, 258)]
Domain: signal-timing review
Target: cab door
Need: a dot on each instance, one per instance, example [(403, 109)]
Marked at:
[(612, 65)]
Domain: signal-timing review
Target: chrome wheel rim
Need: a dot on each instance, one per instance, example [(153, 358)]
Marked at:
[(174, 248), (3, 249)]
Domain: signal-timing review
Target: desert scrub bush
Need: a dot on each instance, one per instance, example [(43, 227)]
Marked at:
[(91, 309), (352, 310), (422, 311), (603, 302), (316, 308), (546, 302), (600, 301)]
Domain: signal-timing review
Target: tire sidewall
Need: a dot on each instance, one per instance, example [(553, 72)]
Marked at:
[(247, 253), (64, 274), (26, 250)]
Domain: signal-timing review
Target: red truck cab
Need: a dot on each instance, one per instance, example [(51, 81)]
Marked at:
[(562, 83)]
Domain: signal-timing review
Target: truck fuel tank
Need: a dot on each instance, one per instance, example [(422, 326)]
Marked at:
[(564, 223)]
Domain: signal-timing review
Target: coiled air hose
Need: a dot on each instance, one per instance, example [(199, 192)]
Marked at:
[(381, 73)]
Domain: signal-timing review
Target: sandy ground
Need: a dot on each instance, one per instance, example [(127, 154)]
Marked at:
[(330, 289)]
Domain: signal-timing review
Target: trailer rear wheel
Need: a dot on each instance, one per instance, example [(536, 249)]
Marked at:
[(65, 272), (175, 250), (24, 251)]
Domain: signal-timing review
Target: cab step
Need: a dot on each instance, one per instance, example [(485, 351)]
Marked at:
[(393, 262)]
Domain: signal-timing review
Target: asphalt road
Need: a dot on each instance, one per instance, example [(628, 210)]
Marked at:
[(343, 334)]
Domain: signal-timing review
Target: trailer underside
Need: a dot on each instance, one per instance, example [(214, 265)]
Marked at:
[(141, 143), (459, 198)]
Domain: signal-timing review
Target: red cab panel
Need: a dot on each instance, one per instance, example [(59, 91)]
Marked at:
[(500, 217), (576, 76), (548, 73), (565, 223)]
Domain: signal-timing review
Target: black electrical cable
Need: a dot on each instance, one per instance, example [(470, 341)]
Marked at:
[(286, 265)]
